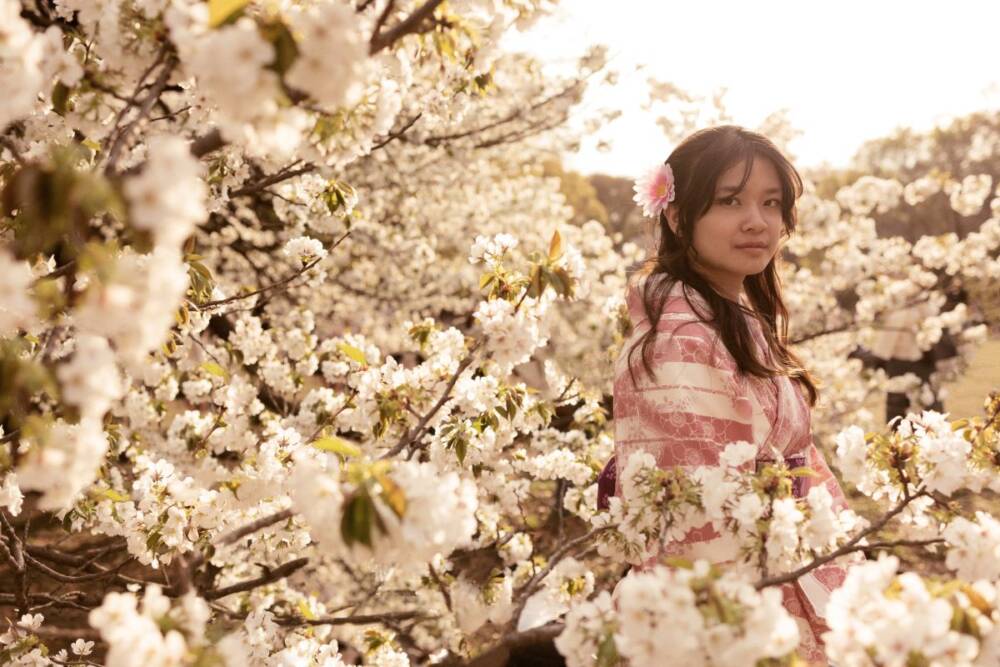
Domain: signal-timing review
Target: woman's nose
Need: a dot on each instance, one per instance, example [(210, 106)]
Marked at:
[(755, 220)]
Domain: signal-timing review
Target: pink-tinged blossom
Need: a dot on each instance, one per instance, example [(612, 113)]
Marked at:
[(654, 190)]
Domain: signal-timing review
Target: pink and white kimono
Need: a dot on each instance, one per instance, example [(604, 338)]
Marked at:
[(695, 405)]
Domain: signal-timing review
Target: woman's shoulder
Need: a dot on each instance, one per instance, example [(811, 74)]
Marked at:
[(683, 305), (684, 332)]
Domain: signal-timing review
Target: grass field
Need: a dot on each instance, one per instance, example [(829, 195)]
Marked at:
[(965, 397)]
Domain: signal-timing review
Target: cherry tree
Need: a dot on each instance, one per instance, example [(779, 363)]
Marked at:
[(303, 362)]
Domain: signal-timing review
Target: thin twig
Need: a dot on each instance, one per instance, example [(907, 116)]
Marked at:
[(397, 134), (561, 553), (847, 548), (70, 579), (147, 105), (259, 524), (282, 175), (262, 290), (413, 435)]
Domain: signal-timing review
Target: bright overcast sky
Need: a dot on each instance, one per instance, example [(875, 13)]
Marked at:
[(846, 71)]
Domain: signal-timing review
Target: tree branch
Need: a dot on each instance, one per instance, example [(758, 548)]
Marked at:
[(410, 24), (359, 619), (269, 577), (268, 288), (273, 179), (147, 105), (392, 136), (561, 553), (847, 548), (414, 434), (259, 524)]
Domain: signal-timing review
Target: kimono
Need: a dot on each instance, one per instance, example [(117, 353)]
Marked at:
[(696, 404)]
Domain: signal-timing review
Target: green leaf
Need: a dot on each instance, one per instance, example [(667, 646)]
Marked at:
[(286, 52), (219, 11), (537, 284), (353, 353), (356, 523), (555, 246), (213, 368), (392, 494), (679, 562), (461, 449), (802, 471), (60, 97), (607, 652), (338, 446), (304, 610), (114, 495)]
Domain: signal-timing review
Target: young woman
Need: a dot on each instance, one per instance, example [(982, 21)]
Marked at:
[(707, 362)]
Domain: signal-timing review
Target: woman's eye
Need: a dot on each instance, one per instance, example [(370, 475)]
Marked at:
[(729, 201), (773, 202)]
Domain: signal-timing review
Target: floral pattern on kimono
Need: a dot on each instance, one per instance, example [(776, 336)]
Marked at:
[(696, 403)]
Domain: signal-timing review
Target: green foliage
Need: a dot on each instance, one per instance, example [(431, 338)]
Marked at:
[(51, 205), (337, 446), (23, 380), (286, 51), (580, 194), (361, 514), (221, 12)]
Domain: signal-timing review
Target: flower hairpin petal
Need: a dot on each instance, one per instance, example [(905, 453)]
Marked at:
[(654, 190)]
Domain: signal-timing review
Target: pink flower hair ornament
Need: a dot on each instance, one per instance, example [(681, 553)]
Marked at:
[(654, 190)]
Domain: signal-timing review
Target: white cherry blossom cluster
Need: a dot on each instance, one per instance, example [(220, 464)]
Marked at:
[(929, 450), (132, 628), (758, 522), (416, 511), (29, 63), (680, 616), (167, 199), (968, 196), (880, 617), (17, 309), (870, 193)]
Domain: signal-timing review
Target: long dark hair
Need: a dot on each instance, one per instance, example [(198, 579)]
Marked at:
[(698, 163)]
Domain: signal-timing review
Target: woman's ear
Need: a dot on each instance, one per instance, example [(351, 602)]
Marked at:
[(672, 219)]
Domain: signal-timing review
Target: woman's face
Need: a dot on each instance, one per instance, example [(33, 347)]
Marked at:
[(740, 233)]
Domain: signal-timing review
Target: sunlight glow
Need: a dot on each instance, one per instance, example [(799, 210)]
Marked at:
[(847, 71)]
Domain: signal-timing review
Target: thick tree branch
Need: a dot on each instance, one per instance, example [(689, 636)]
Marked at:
[(410, 24), (269, 577), (358, 619)]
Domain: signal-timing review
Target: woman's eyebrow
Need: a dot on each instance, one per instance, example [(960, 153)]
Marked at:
[(733, 189)]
